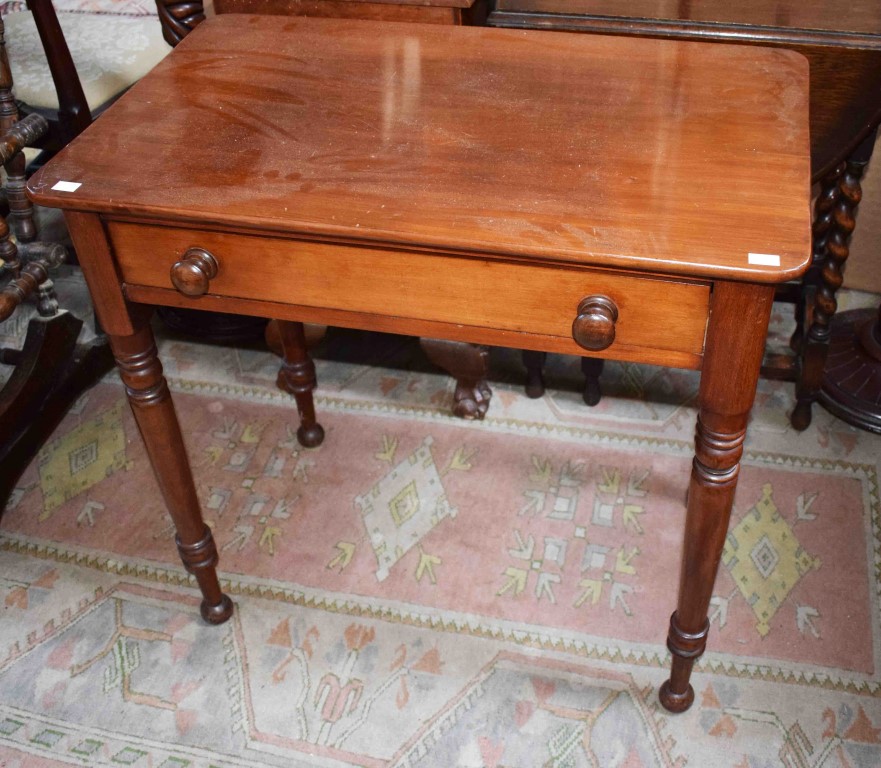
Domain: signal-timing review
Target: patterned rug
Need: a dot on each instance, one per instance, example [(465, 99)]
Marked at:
[(102, 7), (420, 591)]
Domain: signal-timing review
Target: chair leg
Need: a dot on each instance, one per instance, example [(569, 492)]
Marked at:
[(21, 211), (592, 368), (534, 363)]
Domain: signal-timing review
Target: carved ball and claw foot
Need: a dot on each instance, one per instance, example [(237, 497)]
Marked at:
[(468, 365)]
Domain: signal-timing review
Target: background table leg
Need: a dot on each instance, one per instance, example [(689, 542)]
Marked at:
[(297, 376), (732, 359), (835, 221), (148, 395)]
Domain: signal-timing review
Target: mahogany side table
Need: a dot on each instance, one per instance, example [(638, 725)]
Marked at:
[(363, 174)]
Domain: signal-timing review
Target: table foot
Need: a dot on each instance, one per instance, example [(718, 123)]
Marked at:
[(217, 614), (200, 559), (675, 702), (801, 415), (297, 377), (310, 437), (676, 694), (467, 363)]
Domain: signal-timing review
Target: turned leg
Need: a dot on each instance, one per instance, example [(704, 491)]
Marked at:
[(592, 368), (21, 210), (297, 377), (178, 18), (534, 363), (148, 395), (834, 223), (467, 364), (732, 359)]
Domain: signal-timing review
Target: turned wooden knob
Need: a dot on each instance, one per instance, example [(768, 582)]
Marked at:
[(594, 328), (193, 272)]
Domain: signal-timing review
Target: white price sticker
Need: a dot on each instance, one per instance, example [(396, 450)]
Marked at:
[(67, 186), (764, 259)]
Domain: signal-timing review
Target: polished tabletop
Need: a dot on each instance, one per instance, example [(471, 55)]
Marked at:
[(651, 155)]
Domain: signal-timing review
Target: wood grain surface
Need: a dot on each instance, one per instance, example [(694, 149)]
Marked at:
[(649, 155)]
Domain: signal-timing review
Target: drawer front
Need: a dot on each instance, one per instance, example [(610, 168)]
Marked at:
[(655, 315)]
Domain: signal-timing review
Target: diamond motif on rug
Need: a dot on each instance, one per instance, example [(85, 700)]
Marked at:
[(82, 458), (765, 559), (403, 507)]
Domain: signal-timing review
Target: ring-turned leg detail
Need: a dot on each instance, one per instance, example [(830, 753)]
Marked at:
[(151, 404), (200, 559), (297, 377), (677, 694)]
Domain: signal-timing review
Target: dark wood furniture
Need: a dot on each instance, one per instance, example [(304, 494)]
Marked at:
[(178, 17), (73, 114), (852, 380), (843, 46), (440, 216), (53, 367), (19, 207)]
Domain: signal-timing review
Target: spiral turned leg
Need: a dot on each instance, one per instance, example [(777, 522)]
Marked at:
[(297, 377), (824, 220), (834, 225), (150, 400)]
